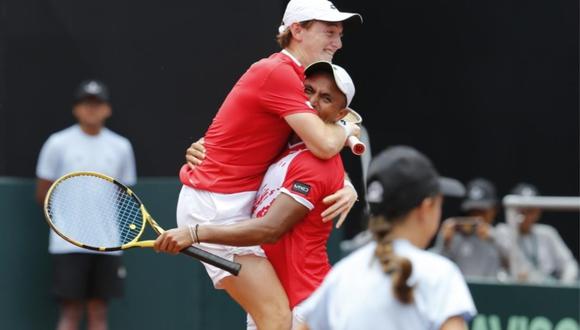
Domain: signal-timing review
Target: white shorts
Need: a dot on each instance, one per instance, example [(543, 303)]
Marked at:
[(209, 208), (297, 319)]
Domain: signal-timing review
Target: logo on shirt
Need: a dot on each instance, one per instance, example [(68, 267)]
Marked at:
[(301, 188)]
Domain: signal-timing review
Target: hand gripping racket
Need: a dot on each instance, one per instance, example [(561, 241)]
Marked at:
[(355, 145), (96, 212)]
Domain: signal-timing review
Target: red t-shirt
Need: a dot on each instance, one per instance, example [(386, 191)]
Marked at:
[(300, 258), (249, 131)]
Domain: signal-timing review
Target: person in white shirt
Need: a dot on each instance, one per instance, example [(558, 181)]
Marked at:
[(83, 278), (392, 283), (540, 253)]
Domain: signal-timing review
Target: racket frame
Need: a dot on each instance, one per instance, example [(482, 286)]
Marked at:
[(132, 244), (354, 143), (202, 255)]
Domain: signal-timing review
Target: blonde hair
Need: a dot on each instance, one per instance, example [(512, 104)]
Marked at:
[(283, 39), (399, 268)]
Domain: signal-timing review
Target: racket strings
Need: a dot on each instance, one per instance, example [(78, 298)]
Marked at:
[(94, 212), (129, 211)]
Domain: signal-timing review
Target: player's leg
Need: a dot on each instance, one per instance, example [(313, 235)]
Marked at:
[(298, 320), (71, 312), (107, 275), (97, 314), (259, 292), (70, 288), (259, 282)]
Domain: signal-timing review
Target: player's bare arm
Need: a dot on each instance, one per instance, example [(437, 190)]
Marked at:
[(454, 323), (284, 213), (340, 203), (324, 140), (302, 326), (42, 187)]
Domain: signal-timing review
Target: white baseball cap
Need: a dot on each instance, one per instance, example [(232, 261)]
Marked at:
[(341, 77), (305, 10)]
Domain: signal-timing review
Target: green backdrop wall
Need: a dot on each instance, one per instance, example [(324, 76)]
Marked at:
[(162, 291), (173, 292)]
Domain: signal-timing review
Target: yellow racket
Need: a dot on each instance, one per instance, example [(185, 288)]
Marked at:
[(96, 212)]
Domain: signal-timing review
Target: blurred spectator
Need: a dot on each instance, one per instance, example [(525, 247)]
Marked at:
[(539, 253), (469, 240), (83, 278), (392, 283)]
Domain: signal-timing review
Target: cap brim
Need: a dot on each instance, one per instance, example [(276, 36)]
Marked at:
[(478, 205), (352, 117), (319, 66), (451, 187), (336, 16), (99, 97)]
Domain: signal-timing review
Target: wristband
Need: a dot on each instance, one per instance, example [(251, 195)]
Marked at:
[(193, 240), (347, 128), (348, 183), (196, 235)]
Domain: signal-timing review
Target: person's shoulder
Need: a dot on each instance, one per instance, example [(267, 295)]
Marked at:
[(426, 262), (115, 137), (324, 169), (361, 256), (407, 249), (280, 59), (443, 263), (269, 63), (545, 230), (64, 135), (433, 269), (501, 228), (309, 157), (280, 66)]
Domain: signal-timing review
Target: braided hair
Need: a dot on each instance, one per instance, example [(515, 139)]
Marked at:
[(399, 268)]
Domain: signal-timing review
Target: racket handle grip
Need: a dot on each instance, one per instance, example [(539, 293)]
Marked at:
[(356, 146), (229, 266)]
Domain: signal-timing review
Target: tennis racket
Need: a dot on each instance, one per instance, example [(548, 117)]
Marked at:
[(96, 212), (355, 145)]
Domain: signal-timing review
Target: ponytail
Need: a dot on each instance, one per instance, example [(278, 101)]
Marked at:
[(399, 268)]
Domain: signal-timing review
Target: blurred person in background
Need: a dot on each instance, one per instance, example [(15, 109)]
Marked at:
[(84, 279), (540, 253), (392, 282), (469, 240)]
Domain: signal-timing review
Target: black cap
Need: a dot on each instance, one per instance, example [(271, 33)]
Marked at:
[(525, 189), (92, 89), (400, 177), (480, 195)]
